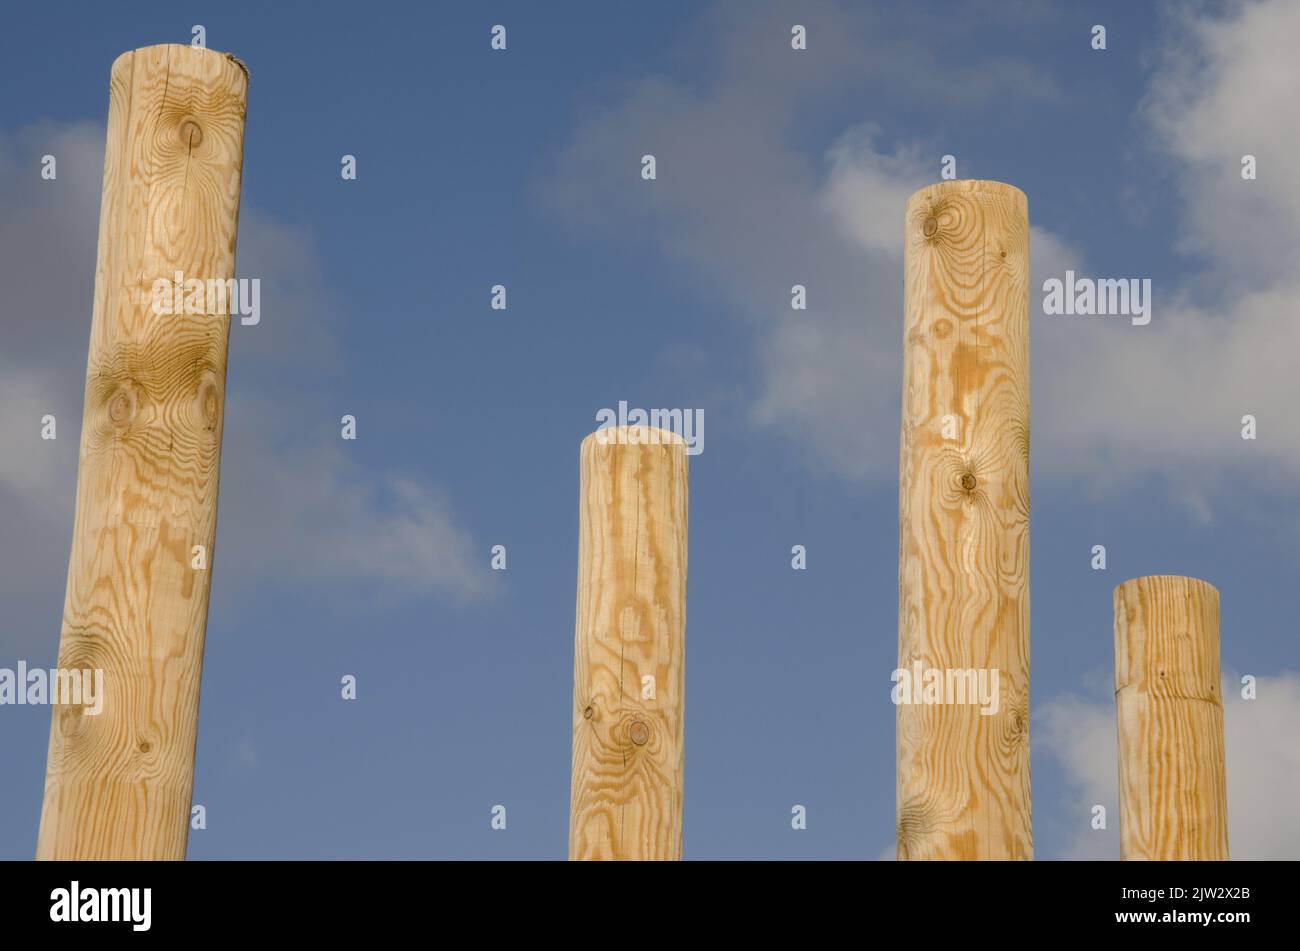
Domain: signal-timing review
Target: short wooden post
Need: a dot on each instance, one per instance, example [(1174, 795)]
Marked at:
[(963, 770), (118, 784), (629, 647), (1173, 798)]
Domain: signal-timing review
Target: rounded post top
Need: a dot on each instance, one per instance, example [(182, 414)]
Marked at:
[(966, 186), (632, 436), (1168, 581), (178, 50)]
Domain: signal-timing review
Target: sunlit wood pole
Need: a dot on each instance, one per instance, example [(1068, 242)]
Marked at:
[(962, 773), (629, 647), (1173, 797), (118, 784)]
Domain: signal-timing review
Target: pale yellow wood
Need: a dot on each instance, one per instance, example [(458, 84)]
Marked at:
[(963, 777), (631, 624), (118, 785), (1173, 796)]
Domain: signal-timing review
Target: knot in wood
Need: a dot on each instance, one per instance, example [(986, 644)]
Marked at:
[(120, 408), (190, 133), (639, 732), (968, 481), (210, 404)]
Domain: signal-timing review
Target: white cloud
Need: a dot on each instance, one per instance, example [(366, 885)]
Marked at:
[(1081, 736), (739, 205), (1173, 394), (32, 468), (1226, 87), (306, 512), (1263, 768), (1169, 397), (290, 507)]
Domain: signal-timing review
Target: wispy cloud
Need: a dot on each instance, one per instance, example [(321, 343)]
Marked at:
[(1263, 768), (740, 204), (294, 506), (1169, 398)]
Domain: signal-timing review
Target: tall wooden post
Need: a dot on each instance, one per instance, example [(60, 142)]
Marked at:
[(963, 765), (1173, 798), (118, 784), (629, 647)]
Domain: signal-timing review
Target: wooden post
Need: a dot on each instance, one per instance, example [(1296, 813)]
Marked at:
[(118, 784), (1173, 798), (629, 647), (963, 770)]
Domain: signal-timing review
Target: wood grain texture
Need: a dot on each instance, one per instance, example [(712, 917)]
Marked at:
[(118, 785), (631, 623), (1173, 796), (963, 788)]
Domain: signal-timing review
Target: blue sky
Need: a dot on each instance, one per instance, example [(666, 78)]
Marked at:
[(521, 167)]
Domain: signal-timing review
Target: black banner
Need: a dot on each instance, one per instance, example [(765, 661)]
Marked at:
[(333, 899)]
